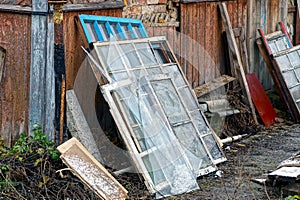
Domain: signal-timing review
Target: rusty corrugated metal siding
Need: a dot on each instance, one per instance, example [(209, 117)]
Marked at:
[(74, 38), (15, 31)]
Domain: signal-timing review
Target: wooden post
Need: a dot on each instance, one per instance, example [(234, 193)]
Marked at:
[(42, 69), (236, 59)]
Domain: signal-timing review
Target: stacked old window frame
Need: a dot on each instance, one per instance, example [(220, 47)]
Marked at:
[(156, 111)]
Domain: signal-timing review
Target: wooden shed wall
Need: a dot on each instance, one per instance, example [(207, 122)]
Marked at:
[(74, 38), (265, 14), (199, 43), (15, 37)]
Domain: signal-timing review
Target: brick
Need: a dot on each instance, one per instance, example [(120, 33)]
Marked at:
[(162, 1), (136, 9), (141, 2), (149, 2), (154, 9)]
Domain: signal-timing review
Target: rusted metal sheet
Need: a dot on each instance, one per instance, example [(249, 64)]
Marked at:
[(14, 99), (74, 38), (261, 100)]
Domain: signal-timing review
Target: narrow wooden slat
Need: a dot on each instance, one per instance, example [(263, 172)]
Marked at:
[(201, 39), (194, 48), (213, 85), (208, 45)]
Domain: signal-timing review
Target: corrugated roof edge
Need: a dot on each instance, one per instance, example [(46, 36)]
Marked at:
[(94, 6)]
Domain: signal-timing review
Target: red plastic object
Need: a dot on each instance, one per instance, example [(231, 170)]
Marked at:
[(261, 100)]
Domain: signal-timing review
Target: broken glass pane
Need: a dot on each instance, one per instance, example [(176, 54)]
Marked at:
[(195, 151)]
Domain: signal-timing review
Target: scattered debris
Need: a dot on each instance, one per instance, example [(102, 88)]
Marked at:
[(90, 171)]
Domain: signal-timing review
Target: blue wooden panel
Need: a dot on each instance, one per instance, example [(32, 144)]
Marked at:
[(103, 28)]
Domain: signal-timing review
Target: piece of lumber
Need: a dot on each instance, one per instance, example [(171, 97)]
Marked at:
[(62, 109), (261, 100), (2, 61), (78, 125), (213, 85), (90, 171), (236, 62)]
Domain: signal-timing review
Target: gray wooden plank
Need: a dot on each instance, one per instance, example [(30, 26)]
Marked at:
[(37, 69), (42, 101)]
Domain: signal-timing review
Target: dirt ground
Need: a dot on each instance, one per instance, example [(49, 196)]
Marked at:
[(250, 158)]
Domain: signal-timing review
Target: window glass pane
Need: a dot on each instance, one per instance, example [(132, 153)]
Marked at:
[(115, 31), (212, 146), (170, 101), (174, 72), (188, 98), (103, 31), (290, 78), (194, 148), (137, 31), (91, 31), (118, 76), (283, 63), (130, 55), (199, 122), (153, 71), (146, 54)]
